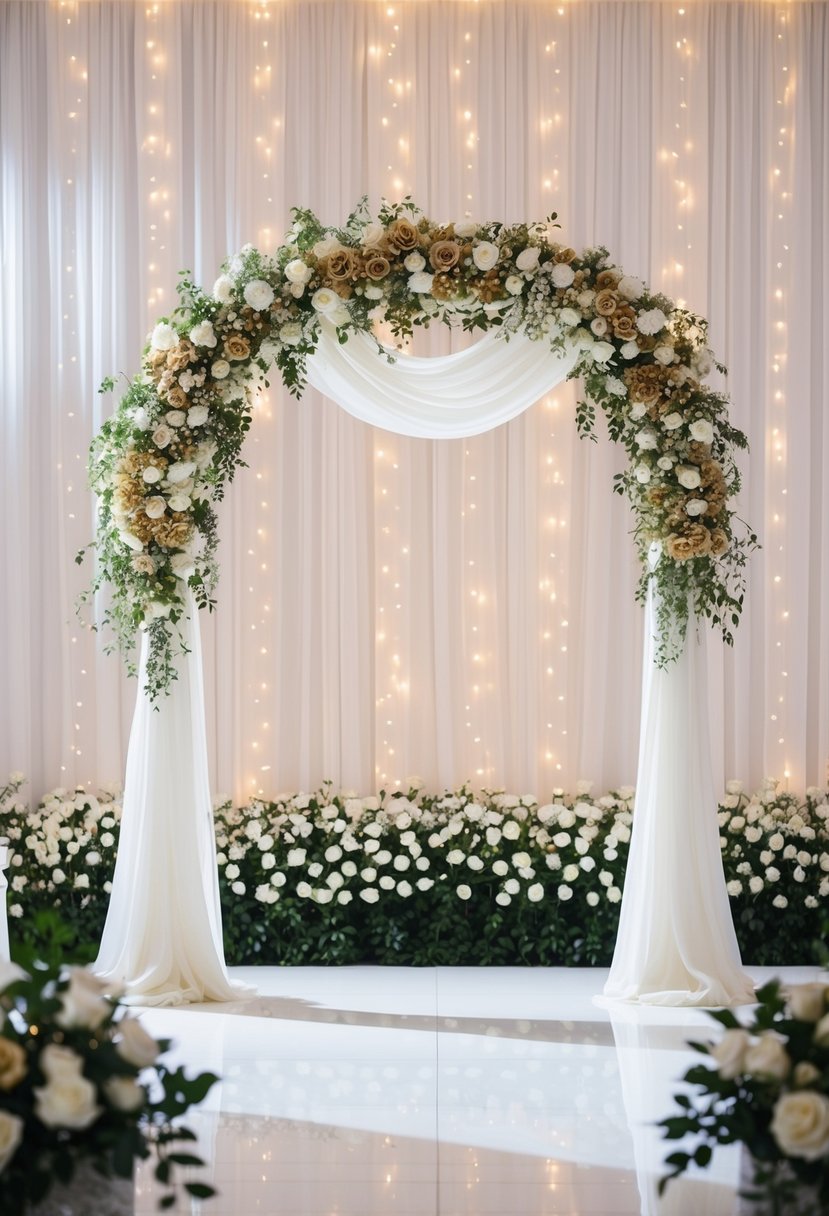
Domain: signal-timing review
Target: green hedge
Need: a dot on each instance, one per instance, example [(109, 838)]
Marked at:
[(428, 880)]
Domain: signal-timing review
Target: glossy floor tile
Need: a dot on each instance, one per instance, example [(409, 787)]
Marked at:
[(367, 1091)]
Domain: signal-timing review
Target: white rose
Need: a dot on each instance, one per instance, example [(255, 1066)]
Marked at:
[(485, 255), (372, 234), (291, 334), (807, 1002), (179, 502), (181, 471), (197, 415), (696, 506), (297, 290), (664, 355), (414, 262), (535, 893), (124, 1093), (514, 284), (569, 318), (134, 1044), (163, 337), (565, 893), (651, 321), (155, 506), (630, 350), (298, 271), (83, 1001), (629, 287), (420, 282), (562, 275), (527, 259), (602, 351), (465, 228), (162, 436), (370, 895), (500, 868), (373, 292), (325, 300), (220, 369), (296, 857), (175, 417), (616, 388), (223, 289), (203, 334), (800, 1124), (463, 891), (638, 410), (259, 295), (688, 476), (673, 422), (67, 1102), (729, 1054), (647, 440), (151, 475), (665, 463), (702, 430), (11, 1133), (642, 474), (767, 1058), (599, 326), (140, 418)]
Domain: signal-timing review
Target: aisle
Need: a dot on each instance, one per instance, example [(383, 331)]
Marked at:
[(397, 1092)]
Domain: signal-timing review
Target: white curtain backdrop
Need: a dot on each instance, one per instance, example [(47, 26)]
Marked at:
[(392, 606)]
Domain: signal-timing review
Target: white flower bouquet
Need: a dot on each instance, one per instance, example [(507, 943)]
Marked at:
[(765, 1085), (81, 1085)]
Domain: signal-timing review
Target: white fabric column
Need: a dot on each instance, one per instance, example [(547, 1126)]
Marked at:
[(676, 943), (163, 935)]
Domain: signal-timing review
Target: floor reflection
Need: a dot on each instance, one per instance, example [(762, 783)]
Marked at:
[(363, 1091)]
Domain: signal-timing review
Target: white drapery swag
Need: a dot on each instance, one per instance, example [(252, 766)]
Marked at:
[(676, 942)]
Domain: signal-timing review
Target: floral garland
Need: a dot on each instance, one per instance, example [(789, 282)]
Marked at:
[(161, 463)]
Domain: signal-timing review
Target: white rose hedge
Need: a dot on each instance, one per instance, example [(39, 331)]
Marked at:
[(160, 464), (420, 879)]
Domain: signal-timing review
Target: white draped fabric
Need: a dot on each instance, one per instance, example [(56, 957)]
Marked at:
[(163, 935), (454, 597), (676, 943), (445, 397)]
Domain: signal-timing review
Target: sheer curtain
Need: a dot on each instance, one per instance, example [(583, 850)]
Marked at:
[(393, 606)]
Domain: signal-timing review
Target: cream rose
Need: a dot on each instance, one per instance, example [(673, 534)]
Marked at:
[(151, 475), (124, 1093), (83, 1001), (175, 417), (569, 318), (767, 1057), (465, 229), (414, 262), (701, 429), (182, 565), (695, 507), (179, 472), (162, 436), (179, 502), (688, 476), (808, 1002), (11, 1134), (12, 1063), (155, 507), (515, 285), (134, 1044), (325, 300), (805, 1074), (220, 369), (822, 1031), (420, 282), (197, 415), (664, 355), (729, 1053), (298, 271), (800, 1124), (485, 255), (527, 259), (291, 333), (67, 1102), (630, 287), (672, 422)]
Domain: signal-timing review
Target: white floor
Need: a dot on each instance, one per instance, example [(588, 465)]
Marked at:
[(367, 1091)]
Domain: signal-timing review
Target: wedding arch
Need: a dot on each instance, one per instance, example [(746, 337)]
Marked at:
[(161, 463)]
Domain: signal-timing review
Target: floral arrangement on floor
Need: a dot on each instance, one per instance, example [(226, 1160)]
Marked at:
[(161, 463), (765, 1085), (495, 878), (75, 1090)]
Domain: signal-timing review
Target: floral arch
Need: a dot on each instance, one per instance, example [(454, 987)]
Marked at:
[(162, 462)]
